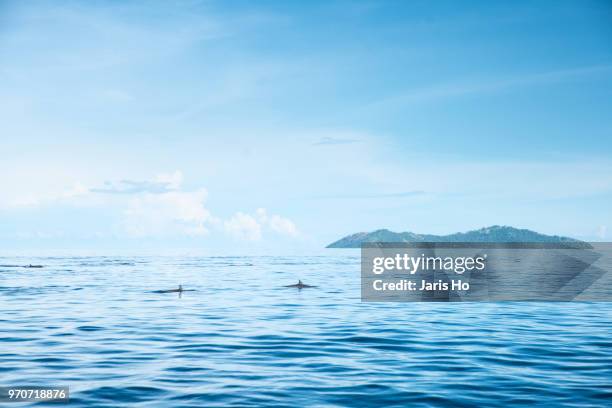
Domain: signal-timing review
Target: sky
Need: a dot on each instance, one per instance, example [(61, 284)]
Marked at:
[(279, 127)]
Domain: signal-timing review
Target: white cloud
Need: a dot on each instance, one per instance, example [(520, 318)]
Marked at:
[(250, 228), (262, 215), (243, 226), (283, 226), (169, 213)]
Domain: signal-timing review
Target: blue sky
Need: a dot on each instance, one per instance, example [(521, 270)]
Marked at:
[(282, 126)]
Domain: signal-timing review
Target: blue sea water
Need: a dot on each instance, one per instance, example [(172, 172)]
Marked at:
[(242, 339)]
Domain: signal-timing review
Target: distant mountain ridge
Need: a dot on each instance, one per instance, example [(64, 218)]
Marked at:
[(495, 233)]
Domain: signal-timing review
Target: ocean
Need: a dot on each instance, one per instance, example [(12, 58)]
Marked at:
[(241, 338)]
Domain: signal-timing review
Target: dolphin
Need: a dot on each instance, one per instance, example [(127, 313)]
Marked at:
[(300, 285), (33, 266), (179, 290)]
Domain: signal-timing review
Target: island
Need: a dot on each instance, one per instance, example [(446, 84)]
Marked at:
[(495, 233)]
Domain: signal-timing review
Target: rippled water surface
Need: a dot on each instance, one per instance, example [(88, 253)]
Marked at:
[(241, 339)]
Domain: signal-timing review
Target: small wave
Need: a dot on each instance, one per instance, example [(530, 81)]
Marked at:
[(89, 328), (126, 395)]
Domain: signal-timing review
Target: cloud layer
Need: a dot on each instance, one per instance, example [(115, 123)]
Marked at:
[(161, 207)]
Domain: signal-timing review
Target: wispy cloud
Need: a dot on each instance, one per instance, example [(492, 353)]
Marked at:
[(328, 140), (121, 33), (34, 199), (399, 194), (117, 95), (162, 183), (490, 85)]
